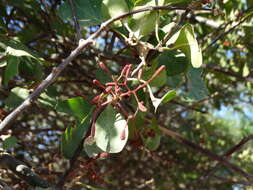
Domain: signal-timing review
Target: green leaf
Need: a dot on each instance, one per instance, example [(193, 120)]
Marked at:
[(16, 97), (31, 67), (73, 136), (145, 22), (157, 101), (10, 142), (171, 94), (74, 106), (187, 43), (196, 86), (113, 8), (91, 148), (11, 68), (174, 81), (110, 128), (174, 61), (49, 97), (18, 52), (160, 80), (88, 12)]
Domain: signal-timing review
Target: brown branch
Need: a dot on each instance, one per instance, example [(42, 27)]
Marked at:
[(206, 152), (22, 171), (57, 70), (227, 155), (229, 73), (190, 107)]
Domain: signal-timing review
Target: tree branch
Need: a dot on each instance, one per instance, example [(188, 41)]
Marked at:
[(227, 155), (22, 171), (57, 70), (221, 35), (206, 152)]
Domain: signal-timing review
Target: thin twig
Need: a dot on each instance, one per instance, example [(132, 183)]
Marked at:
[(227, 155), (76, 23), (229, 73), (220, 36), (195, 104), (206, 152), (57, 70)]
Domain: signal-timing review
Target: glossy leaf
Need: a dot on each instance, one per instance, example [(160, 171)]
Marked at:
[(110, 126), (74, 106), (144, 22), (171, 94), (113, 8), (166, 98), (72, 137), (18, 52), (187, 43)]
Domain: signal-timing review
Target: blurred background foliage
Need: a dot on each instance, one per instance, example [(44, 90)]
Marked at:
[(44, 30)]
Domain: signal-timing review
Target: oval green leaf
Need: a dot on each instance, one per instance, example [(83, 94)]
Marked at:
[(110, 127)]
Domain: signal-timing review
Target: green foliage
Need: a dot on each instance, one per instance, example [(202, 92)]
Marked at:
[(20, 58), (37, 36), (144, 23), (91, 148), (113, 8), (88, 12), (111, 132), (72, 137), (158, 81), (9, 142), (187, 43), (196, 86), (11, 68), (16, 97), (77, 107), (174, 61), (153, 140)]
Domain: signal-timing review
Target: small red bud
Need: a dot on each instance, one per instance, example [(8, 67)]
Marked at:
[(97, 83), (142, 107), (96, 99), (103, 67), (123, 135), (139, 74), (103, 155), (108, 89)]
